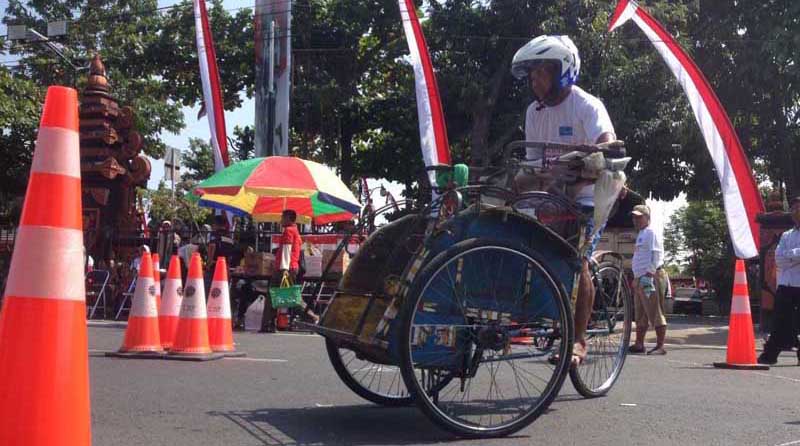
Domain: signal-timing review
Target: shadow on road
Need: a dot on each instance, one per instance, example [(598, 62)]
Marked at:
[(337, 425)]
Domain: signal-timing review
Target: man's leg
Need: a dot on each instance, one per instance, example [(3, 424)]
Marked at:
[(659, 320), (641, 318), (794, 295), (583, 310), (246, 296), (782, 328)]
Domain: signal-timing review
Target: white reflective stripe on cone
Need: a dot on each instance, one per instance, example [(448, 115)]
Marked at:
[(54, 256), (194, 300), (144, 298), (53, 153), (219, 302), (740, 305), (171, 298)]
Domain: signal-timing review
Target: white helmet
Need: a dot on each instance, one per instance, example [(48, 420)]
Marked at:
[(559, 49)]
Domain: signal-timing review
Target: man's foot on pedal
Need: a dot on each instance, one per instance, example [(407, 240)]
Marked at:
[(578, 354)]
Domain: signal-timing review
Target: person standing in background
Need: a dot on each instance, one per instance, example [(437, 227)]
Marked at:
[(650, 284), (783, 335)]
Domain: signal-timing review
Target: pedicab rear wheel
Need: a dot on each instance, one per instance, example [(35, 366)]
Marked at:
[(464, 370), (377, 383)]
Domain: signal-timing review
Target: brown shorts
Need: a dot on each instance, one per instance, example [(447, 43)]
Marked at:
[(649, 307)]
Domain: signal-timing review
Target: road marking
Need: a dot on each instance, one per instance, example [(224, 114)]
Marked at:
[(789, 443), (257, 359), (227, 359), (709, 366), (305, 335), (697, 346), (794, 380)]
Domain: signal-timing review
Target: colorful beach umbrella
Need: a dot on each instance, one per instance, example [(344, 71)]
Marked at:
[(264, 187)]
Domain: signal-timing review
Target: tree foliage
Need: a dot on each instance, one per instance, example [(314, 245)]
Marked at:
[(698, 234), (353, 104), (198, 161), (150, 55), (20, 106), (162, 204)]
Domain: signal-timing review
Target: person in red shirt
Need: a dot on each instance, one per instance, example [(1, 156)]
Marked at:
[(287, 256)]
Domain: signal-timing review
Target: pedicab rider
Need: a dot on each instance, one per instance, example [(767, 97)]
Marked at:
[(783, 335), (564, 113), (288, 258)]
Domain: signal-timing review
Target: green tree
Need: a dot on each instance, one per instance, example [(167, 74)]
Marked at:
[(198, 160), (699, 231), (243, 145), (162, 204), (20, 107), (150, 55)]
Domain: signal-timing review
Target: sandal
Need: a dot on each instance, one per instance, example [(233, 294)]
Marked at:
[(659, 351), (578, 358), (635, 349)]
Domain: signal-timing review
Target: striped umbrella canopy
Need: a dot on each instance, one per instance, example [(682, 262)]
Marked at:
[(264, 187)]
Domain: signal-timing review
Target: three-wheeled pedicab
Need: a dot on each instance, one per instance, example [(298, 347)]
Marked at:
[(465, 307)]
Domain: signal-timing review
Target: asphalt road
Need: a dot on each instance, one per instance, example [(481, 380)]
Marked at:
[(286, 393)]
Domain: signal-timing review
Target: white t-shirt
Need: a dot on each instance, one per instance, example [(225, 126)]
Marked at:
[(580, 119), (649, 253)]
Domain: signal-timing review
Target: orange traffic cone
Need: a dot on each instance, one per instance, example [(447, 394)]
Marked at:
[(142, 337), (220, 329), (44, 358), (157, 278), (741, 341), (170, 307), (191, 337)]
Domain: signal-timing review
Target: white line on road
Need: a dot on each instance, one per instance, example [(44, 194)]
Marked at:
[(227, 359), (257, 359), (795, 380), (789, 443), (697, 346), (709, 366)]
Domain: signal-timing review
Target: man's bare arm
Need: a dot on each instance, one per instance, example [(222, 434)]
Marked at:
[(605, 137)]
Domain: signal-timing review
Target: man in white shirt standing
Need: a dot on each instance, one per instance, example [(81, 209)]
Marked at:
[(564, 113), (787, 298), (649, 285)]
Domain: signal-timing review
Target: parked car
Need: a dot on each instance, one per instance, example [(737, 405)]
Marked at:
[(688, 300)]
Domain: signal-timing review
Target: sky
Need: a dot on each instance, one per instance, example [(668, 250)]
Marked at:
[(244, 116)]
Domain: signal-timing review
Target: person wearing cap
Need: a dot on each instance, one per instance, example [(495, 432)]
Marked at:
[(649, 283), (783, 335)]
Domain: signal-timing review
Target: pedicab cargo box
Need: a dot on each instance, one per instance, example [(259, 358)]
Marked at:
[(259, 264)]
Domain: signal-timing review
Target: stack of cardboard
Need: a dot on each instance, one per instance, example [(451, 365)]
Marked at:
[(259, 264), (339, 265), (313, 259)]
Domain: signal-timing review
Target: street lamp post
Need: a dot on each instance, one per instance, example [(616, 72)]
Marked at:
[(54, 29)]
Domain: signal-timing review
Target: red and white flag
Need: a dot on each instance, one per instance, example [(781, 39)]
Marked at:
[(212, 92), (740, 192), (432, 129)]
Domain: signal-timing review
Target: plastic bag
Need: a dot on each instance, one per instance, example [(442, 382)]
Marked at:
[(254, 314)]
